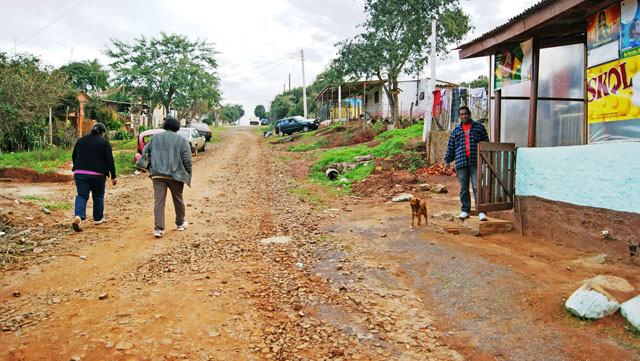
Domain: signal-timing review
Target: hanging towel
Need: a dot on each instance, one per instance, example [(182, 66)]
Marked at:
[(455, 104), (479, 98), (444, 100)]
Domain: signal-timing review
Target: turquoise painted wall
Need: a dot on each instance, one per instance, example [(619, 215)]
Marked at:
[(596, 175)]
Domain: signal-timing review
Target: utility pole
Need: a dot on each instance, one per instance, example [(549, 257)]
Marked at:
[(289, 82), (304, 87), (432, 85), (284, 88)]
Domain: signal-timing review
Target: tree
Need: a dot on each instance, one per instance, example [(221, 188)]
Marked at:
[(260, 112), (481, 82), (27, 91), (396, 39), (232, 112), (171, 71), (87, 75), (290, 103)]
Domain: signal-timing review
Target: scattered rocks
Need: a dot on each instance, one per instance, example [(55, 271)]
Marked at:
[(402, 197), (592, 302), (631, 311), (103, 296)]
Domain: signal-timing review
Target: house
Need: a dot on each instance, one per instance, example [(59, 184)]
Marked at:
[(369, 97), (563, 85), (79, 121)]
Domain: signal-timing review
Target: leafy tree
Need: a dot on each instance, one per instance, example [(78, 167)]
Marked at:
[(481, 82), (290, 103), (396, 39), (232, 112), (27, 91), (260, 112), (87, 75), (171, 71)]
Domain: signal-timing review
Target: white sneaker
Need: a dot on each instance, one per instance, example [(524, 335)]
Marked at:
[(158, 233), (100, 221), (77, 224), (463, 215), (482, 216), (183, 226)]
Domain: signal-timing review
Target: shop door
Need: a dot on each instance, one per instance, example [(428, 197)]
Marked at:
[(496, 176)]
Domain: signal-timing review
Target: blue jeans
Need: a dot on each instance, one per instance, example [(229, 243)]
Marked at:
[(466, 174), (95, 184)]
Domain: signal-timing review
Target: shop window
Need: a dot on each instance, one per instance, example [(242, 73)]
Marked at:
[(559, 123), (376, 97), (561, 72), (514, 121)]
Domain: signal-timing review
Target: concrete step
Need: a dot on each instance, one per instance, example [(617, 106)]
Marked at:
[(492, 225)]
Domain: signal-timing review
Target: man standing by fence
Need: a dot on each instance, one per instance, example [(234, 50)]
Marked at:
[(463, 148)]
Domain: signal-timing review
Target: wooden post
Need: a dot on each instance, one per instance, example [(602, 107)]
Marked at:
[(497, 123), (50, 129), (533, 96)]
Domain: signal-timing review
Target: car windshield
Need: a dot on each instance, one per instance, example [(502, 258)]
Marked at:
[(184, 132)]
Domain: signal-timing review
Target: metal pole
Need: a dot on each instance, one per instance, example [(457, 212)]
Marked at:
[(339, 102), (304, 87), (432, 84), (50, 129)]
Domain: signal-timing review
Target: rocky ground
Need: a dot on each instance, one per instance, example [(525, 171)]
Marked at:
[(272, 268)]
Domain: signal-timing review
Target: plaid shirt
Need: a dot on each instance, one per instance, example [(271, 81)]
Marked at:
[(456, 148)]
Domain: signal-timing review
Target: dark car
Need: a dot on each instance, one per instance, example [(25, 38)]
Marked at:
[(295, 124), (202, 128), (264, 121)]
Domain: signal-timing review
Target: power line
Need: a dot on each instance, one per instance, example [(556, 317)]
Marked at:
[(51, 23)]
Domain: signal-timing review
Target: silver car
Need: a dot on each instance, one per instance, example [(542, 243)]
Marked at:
[(196, 141)]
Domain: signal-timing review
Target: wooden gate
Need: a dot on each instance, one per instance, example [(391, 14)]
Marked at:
[(496, 176)]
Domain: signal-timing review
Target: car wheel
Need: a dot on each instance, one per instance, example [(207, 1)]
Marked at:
[(204, 147), (280, 133), (305, 129), (194, 151)]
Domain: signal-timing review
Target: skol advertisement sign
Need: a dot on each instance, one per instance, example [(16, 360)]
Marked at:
[(613, 90)]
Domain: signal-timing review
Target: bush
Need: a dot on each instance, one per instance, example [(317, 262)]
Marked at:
[(123, 135), (143, 127), (26, 135), (64, 135)]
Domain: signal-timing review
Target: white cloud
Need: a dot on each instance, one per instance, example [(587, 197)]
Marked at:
[(258, 41)]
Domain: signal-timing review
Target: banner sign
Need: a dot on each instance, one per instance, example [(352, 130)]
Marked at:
[(513, 66), (630, 32), (603, 35), (613, 91)]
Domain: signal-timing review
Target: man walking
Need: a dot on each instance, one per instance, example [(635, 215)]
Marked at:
[(463, 148)]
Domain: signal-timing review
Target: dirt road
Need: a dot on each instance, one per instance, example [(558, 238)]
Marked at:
[(264, 274)]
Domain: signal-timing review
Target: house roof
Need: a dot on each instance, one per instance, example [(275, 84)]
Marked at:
[(551, 22)]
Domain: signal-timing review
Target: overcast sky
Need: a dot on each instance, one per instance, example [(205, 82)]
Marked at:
[(258, 41)]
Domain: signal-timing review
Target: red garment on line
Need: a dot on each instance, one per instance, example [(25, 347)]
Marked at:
[(437, 103)]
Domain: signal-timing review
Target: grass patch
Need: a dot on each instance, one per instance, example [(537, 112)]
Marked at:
[(55, 206), (124, 162), (32, 198), (130, 144), (41, 161), (306, 194), (318, 144), (215, 132)]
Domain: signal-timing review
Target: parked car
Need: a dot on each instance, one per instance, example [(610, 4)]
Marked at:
[(264, 121), (295, 124), (202, 128), (143, 139), (196, 141), (254, 121)]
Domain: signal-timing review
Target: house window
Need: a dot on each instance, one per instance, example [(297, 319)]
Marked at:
[(376, 97)]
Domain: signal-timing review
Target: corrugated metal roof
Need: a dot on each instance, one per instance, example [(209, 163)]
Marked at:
[(518, 17)]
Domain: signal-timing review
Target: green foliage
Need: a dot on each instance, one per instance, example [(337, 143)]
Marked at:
[(232, 112), (32, 198), (87, 75), (409, 132), (27, 91), (55, 206), (319, 144), (130, 144), (260, 112), (142, 128), (122, 134), (289, 103), (482, 81), (64, 135), (171, 70), (413, 161), (42, 161), (396, 39), (124, 162)]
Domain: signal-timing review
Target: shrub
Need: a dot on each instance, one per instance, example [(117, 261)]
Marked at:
[(123, 135)]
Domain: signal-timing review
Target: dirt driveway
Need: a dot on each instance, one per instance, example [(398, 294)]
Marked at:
[(262, 273)]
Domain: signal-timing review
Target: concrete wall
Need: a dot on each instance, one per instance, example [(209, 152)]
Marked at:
[(597, 175)]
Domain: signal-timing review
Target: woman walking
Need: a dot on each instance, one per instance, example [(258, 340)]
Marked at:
[(92, 163), (170, 167)]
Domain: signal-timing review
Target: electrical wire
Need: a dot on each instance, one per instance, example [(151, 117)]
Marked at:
[(50, 23)]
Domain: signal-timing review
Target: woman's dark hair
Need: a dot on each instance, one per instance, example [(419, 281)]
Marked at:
[(171, 124), (98, 129), (464, 107)]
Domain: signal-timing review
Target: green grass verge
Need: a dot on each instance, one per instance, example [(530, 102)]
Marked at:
[(55, 206), (124, 162), (130, 144), (32, 198), (41, 161), (215, 132)]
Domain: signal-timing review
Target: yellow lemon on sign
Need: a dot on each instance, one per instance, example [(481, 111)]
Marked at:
[(635, 111), (613, 102), (632, 66)]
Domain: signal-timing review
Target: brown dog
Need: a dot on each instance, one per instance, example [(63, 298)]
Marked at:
[(418, 209)]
